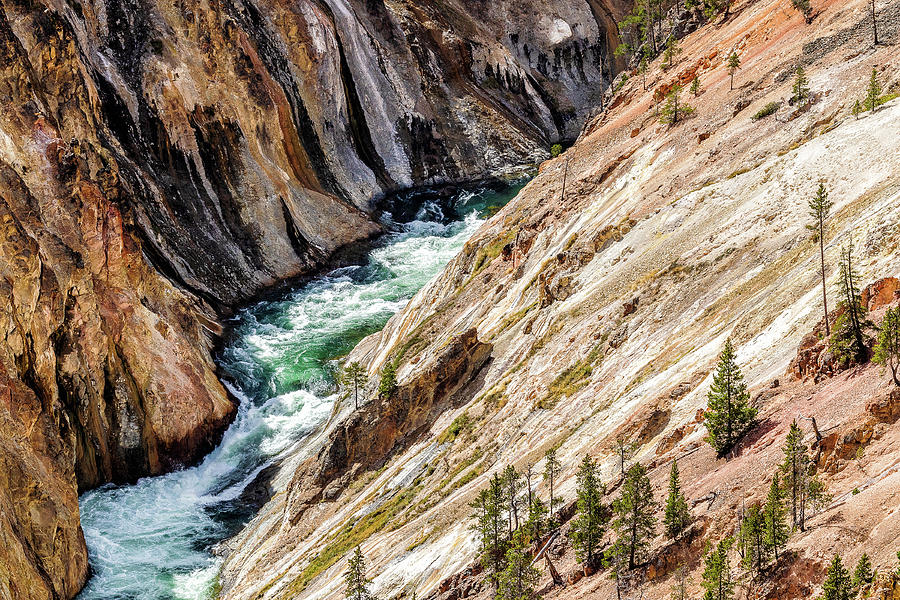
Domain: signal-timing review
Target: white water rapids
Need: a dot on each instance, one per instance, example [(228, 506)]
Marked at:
[(153, 540)]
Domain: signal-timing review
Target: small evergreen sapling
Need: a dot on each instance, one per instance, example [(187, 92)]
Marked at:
[(677, 515), (819, 207), (674, 108), (857, 109), (873, 92), (848, 339), (800, 89), (512, 485), (695, 85), (537, 524), (634, 509), (794, 470), (679, 588), (728, 414), (887, 350), (388, 383), (752, 541), (734, 63), (551, 472), (672, 50), (491, 528)]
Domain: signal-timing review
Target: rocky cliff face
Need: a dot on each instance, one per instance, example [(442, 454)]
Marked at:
[(160, 162), (606, 289)]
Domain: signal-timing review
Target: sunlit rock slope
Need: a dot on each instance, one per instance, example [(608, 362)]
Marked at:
[(162, 162), (605, 291)]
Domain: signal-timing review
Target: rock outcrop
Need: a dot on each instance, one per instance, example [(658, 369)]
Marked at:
[(161, 163)]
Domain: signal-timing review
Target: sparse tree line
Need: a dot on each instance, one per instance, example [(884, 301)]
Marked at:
[(511, 520), (352, 377), (643, 39)]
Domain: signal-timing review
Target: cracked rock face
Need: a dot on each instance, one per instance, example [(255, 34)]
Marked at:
[(162, 162)]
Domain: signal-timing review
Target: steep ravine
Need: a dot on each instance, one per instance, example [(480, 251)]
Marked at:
[(603, 305), (162, 163)]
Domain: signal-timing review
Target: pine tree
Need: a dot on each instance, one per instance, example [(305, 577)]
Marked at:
[(634, 509), (857, 109), (591, 515), (802, 487), (537, 519), (800, 89), (674, 108), (863, 574), (518, 578), (672, 50), (528, 474), (874, 21), (776, 528), (848, 340), (388, 384), (752, 541), (354, 377), (887, 350), (734, 63), (618, 562), (837, 581), (717, 581), (794, 471), (677, 516), (819, 207), (805, 9), (873, 92), (643, 67), (679, 588), (624, 450), (729, 414), (512, 484), (491, 528), (357, 586), (551, 472), (695, 85)]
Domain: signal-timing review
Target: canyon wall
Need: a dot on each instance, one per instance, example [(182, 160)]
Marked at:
[(162, 162), (606, 290)]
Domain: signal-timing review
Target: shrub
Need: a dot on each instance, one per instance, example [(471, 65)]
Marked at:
[(767, 110)]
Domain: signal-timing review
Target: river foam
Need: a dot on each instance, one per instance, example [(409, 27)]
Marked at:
[(154, 539)]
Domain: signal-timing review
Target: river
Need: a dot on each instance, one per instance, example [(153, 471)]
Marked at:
[(153, 540)]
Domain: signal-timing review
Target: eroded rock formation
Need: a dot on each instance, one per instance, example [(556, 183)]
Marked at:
[(163, 162)]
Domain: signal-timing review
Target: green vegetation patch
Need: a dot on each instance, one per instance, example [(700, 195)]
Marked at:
[(351, 535), (767, 110), (570, 381), (461, 424), (490, 251)]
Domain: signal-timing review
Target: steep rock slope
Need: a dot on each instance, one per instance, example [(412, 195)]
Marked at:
[(606, 300), (162, 161)]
